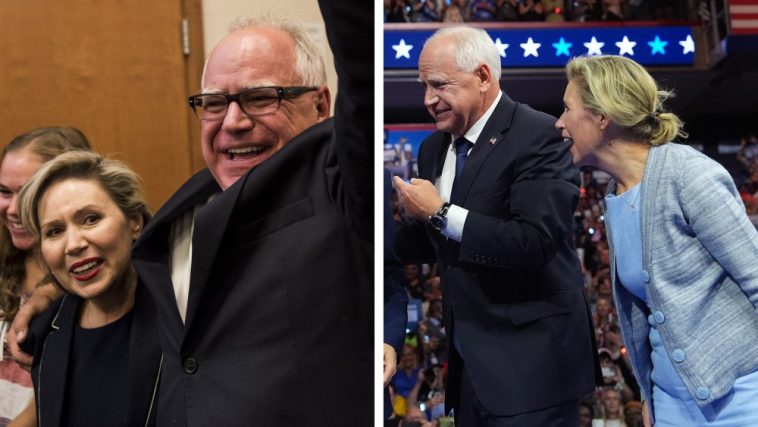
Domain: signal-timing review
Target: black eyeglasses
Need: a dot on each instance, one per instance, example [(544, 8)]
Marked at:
[(258, 101)]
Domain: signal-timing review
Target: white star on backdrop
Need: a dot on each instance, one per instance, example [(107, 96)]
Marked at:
[(688, 44), (593, 47), (501, 47), (626, 46), (402, 49), (530, 48)]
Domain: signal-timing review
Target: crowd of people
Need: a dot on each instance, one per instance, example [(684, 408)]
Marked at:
[(531, 10)]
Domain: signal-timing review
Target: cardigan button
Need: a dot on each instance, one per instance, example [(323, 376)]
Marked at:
[(645, 276), (190, 365), (678, 355), (650, 320), (702, 393), (658, 316)]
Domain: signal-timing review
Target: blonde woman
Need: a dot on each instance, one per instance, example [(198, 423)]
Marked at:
[(684, 255), (96, 353)]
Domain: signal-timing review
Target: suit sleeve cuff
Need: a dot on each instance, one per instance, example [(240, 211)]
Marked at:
[(456, 218)]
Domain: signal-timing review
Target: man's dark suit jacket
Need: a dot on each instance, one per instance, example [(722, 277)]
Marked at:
[(51, 335), (512, 289), (279, 322)]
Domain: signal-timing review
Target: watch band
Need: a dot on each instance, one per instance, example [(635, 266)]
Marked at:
[(443, 210), (438, 221)]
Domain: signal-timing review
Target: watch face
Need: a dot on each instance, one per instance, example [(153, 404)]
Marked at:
[(437, 222)]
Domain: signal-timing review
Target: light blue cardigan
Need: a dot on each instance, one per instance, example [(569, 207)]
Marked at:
[(700, 266)]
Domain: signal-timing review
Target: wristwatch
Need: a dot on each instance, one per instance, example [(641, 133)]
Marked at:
[(438, 221)]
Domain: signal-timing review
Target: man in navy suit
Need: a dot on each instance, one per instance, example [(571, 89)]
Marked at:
[(495, 202)]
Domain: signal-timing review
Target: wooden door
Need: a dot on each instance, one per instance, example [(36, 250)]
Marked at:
[(115, 69)]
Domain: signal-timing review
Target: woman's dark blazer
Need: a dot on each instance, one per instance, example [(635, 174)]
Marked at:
[(51, 334)]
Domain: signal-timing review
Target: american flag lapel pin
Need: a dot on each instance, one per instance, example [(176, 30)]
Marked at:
[(493, 140)]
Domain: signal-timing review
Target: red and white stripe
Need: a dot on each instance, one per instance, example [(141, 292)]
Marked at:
[(744, 16)]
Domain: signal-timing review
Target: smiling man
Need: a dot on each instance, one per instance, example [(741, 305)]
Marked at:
[(261, 264), (495, 202), (279, 80)]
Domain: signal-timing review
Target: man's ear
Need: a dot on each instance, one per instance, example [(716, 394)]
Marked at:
[(485, 76), (323, 104)]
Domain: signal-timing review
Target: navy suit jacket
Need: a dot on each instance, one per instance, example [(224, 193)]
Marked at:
[(512, 288), (279, 322)]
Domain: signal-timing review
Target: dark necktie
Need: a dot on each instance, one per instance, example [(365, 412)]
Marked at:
[(462, 145)]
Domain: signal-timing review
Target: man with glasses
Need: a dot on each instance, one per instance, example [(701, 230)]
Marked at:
[(261, 264)]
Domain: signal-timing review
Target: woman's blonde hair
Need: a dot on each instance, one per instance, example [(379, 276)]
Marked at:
[(121, 183), (623, 90)]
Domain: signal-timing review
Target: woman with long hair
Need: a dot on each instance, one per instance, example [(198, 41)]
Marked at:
[(21, 268)]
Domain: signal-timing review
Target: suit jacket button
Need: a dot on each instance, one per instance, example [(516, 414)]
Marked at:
[(190, 365), (678, 355), (702, 393)]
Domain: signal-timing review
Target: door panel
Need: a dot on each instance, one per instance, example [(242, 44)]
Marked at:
[(114, 69)]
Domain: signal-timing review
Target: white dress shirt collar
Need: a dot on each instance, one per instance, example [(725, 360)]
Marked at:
[(472, 134)]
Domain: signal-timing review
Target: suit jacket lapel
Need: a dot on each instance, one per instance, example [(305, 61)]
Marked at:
[(144, 357), (55, 361), (210, 225), (432, 163), (151, 252), (195, 191), (492, 134)]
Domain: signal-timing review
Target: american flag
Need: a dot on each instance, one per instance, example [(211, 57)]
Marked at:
[(744, 16)]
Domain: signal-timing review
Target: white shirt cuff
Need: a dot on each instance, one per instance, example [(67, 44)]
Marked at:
[(456, 218)]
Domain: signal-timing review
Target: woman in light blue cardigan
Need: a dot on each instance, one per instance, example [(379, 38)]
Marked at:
[(684, 252)]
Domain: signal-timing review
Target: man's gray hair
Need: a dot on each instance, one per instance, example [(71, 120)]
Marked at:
[(309, 61), (473, 46)]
